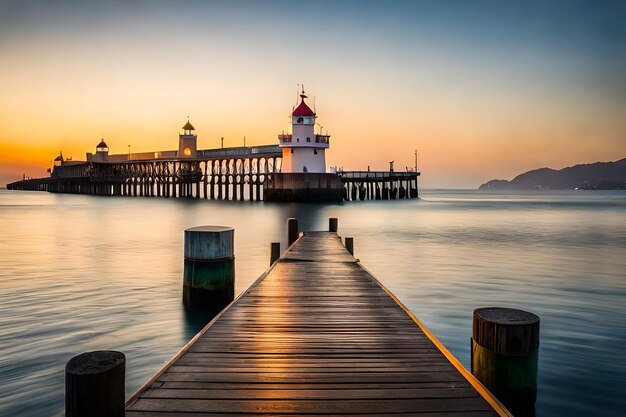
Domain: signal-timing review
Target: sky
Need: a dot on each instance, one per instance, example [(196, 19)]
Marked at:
[(481, 89)]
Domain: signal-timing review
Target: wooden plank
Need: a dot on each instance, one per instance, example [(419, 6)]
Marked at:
[(316, 334), (280, 386), (342, 406), (312, 393), (487, 413), (353, 377)]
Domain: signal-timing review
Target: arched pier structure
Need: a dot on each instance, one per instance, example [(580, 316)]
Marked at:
[(220, 174)]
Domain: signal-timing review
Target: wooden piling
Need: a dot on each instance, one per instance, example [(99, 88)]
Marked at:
[(333, 223), (350, 245), (94, 384), (209, 273), (292, 230), (275, 252), (505, 347)]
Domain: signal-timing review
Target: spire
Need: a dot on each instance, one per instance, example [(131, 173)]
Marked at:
[(188, 125), (303, 109)]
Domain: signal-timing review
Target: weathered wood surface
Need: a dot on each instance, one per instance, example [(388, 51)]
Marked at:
[(506, 331), (316, 334)]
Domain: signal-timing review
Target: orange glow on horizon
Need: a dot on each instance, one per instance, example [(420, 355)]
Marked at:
[(471, 117)]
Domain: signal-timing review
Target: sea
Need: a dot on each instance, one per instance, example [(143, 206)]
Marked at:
[(81, 273)]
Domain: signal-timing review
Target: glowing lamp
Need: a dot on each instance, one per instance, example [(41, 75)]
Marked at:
[(187, 151)]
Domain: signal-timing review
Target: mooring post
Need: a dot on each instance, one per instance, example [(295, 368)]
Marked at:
[(350, 245), (275, 252), (94, 384), (292, 230), (505, 347), (332, 224), (209, 274)]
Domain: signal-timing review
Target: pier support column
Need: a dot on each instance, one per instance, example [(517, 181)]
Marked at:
[(212, 180), (242, 190), (209, 274), (94, 384), (204, 179), (505, 347), (292, 231)]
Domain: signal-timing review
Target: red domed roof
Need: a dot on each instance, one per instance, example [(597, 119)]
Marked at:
[(303, 109)]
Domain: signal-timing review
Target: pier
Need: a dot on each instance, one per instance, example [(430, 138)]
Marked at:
[(217, 174), (315, 334), (294, 170), (379, 185), (242, 173)]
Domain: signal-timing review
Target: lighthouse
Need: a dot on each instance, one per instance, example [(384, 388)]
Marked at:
[(187, 141), (303, 175), (303, 150)]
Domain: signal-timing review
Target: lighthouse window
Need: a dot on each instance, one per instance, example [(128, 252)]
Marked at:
[(187, 151), (298, 139), (315, 151), (292, 150), (308, 139)]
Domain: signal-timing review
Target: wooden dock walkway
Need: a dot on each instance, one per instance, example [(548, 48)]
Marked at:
[(317, 334)]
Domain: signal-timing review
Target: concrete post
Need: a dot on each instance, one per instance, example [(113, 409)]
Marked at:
[(275, 252), (94, 384), (209, 274), (505, 347), (292, 230), (333, 224), (350, 245)]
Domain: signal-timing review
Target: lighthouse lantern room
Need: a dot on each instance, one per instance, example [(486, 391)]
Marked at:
[(303, 150), (102, 152)]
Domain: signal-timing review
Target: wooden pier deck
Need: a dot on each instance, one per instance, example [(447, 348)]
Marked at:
[(317, 334)]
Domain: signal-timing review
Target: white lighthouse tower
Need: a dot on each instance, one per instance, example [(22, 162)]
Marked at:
[(303, 150)]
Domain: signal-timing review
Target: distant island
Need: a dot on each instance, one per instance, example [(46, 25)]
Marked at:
[(597, 176)]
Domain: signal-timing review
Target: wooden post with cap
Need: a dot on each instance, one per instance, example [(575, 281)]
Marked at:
[(333, 224), (275, 252), (350, 245), (505, 348), (292, 230), (209, 272), (94, 384)]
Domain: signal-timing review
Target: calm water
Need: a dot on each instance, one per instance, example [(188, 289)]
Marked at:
[(80, 273)]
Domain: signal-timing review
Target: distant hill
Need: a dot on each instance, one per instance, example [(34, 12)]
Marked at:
[(598, 176)]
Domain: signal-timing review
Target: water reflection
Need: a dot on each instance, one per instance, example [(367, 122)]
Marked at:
[(81, 273), (195, 319)]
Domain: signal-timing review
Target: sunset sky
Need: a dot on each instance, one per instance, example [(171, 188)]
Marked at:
[(483, 89)]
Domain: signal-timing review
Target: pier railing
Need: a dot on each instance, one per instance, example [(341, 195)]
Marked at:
[(238, 151), (323, 139), (376, 174)]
